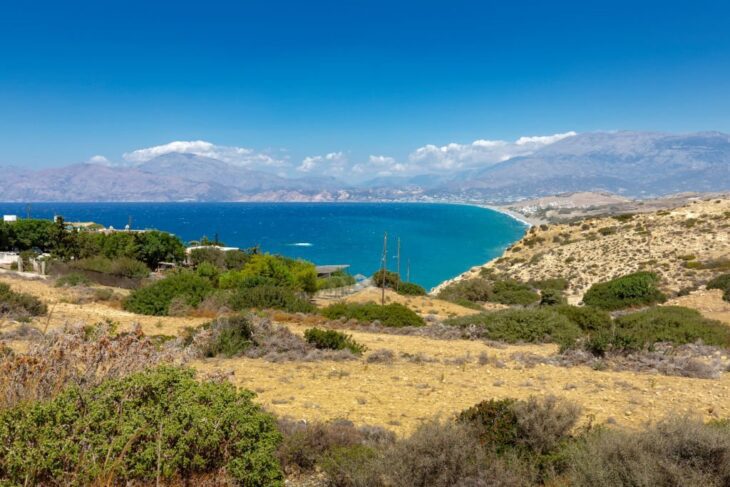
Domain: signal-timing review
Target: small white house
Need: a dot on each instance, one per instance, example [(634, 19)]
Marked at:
[(10, 218)]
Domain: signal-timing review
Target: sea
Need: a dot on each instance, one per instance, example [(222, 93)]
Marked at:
[(437, 241)]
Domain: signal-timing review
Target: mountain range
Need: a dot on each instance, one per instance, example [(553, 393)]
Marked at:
[(635, 164)]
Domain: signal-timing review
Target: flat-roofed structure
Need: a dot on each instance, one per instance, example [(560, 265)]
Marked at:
[(328, 270)]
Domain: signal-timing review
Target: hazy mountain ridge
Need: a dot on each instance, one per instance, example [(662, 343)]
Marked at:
[(635, 164)]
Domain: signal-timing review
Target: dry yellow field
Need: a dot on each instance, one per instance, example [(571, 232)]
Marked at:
[(448, 379)]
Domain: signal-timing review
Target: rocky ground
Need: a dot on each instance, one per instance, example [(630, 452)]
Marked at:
[(686, 246)]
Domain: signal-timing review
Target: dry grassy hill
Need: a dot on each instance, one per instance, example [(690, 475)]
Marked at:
[(686, 246)]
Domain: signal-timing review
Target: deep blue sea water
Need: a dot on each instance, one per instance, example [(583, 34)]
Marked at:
[(439, 240)]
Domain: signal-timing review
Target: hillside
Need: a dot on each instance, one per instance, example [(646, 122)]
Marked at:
[(685, 246)]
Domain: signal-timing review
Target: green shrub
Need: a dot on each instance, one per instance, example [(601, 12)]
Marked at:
[(410, 289), (494, 421), (540, 325), (15, 305), (350, 465), (275, 271), (513, 292), (333, 340), (677, 452), (155, 298), (269, 297), (159, 424), (636, 289), (394, 314), (472, 290), (588, 319), (232, 336), (721, 282), (551, 297), (391, 279), (118, 266), (71, 280), (537, 425), (673, 324)]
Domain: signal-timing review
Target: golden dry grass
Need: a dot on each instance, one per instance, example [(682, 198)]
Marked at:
[(402, 395), (709, 302)]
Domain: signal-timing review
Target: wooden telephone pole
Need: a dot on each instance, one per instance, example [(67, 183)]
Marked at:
[(383, 267), (398, 281)]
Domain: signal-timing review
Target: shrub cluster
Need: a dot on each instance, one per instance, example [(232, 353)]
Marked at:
[(118, 266), (410, 289), (233, 335), (721, 282), (272, 270), (539, 325), (392, 315), (71, 280), (480, 290), (512, 293), (152, 426), (673, 324), (269, 297), (19, 306), (638, 289), (333, 340), (393, 281), (155, 298)]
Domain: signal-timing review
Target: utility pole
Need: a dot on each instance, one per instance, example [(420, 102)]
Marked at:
[(383, 267), (27, 211), (398, 281)]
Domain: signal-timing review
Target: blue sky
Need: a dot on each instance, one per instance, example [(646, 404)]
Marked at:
[(350, 83)]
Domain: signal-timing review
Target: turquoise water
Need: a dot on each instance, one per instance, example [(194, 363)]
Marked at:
[(439, 240)]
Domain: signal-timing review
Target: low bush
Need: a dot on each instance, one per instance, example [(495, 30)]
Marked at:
[(390, 279), (537, 425), (552, 297), (392, 315), (512, 293), (269, 297), (306, 444), (471, 290), (231, 337), (410, 289), (119, 266), (333, 340), (156, 425), (681, 451), (79, 355), (587, 318), (673, 324), (721, 282), (638, 289), (19, 306), (154, 299), (71, 280), (540, 325)]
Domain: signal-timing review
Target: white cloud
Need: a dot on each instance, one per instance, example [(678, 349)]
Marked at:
[(383, 166), (240, 156), (481, 152), (334, 162), (99, 159)]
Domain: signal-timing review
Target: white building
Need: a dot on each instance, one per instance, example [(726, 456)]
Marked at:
[(10, 218)]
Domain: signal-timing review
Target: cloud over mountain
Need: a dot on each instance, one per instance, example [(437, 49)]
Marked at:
[(239, 156), (480, 153)]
